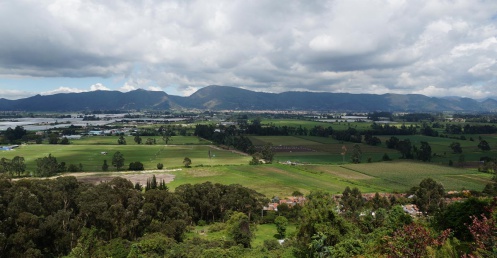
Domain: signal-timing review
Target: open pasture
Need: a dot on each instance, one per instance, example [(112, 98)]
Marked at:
[(91, 157), (271, 180), (282, 180), (401, 175)]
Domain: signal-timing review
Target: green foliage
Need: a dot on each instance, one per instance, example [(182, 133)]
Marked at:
[(16, 166), (483, 145), (267, 153), (64, 140), (271, 244), (281, 225), (152, 245), (136, 166), (238, 228), (160, 166), (424, 152), (356, 154), (456, 147), (429, 196), (105, 166), (47, 166), (187, 162), (118, 160), (254, 161), (347, 248), (14, 135), (121, 140), (351, 202), (319, 216), (457, 216)]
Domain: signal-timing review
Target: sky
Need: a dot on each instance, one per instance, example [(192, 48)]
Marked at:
[(430, 47)]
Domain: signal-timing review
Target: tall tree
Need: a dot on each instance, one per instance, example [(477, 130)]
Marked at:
[(429, 196), (47, 166), (424, 152), (138, 139), (118, 160), (239, 229), (267, 153), (456, 147), (105, 166), (356, 154), (121, 140), (187, 162), (167, 135), (17, 166), (318, 216), (484, 146), (281, 224)]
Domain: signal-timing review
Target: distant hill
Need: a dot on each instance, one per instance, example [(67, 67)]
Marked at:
[(232, 98)]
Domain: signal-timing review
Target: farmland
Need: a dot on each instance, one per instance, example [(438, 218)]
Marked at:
[(322, 163)]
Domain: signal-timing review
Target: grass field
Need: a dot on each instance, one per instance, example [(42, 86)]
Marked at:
[(262, 232), (91, 158), (282, 180), (326, 168), (325, 150)]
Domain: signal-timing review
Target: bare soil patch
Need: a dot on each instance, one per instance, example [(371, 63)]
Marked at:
[(133, 176)]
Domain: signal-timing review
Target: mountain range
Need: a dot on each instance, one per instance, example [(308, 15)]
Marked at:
[(232, 98)]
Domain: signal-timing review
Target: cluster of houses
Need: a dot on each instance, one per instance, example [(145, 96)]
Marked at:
[(410, 209), (290, 201)]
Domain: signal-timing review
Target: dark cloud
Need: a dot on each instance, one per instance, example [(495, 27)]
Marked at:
[(429, 47)]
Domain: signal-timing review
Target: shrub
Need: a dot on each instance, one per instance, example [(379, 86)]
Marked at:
[(136, 166)]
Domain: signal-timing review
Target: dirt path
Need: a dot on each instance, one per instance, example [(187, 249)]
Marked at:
[(233, 151)]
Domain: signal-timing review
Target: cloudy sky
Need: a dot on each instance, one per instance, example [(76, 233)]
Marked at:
[(430, 47)]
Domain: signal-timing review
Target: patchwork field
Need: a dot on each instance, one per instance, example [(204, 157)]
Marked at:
[(313, 149), (282, 180), (326, 169)]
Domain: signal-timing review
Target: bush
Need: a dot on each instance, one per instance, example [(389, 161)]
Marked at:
[(216, 227), (136, 166), (271, 244), (160, 165)]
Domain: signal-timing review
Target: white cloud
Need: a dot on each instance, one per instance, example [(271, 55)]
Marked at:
[(63, 90), (154, 88), (189, 91), (463, 91), (127, 87), (98, 86)]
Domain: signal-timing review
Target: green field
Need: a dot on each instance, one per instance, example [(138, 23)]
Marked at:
[(325, 167), (282, 180), (324, 150), (262, 232), (91, 158)]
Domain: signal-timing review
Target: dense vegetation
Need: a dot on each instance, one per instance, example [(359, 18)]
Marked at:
[(46, 218)]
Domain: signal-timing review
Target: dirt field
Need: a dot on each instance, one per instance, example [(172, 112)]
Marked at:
[(134, 176)]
